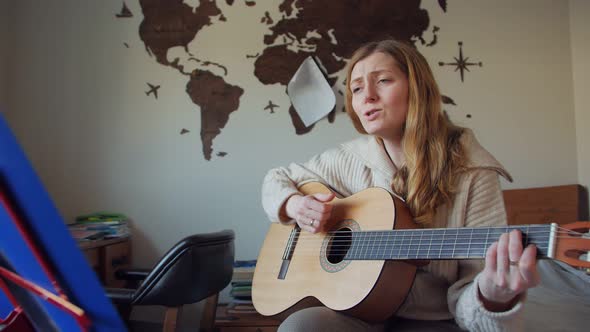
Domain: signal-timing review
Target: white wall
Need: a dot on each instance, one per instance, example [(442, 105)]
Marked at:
[(521, 99), (580, 34), (99, 143)]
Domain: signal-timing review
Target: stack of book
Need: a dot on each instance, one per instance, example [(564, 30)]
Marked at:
[(100, 225), (241, 288)]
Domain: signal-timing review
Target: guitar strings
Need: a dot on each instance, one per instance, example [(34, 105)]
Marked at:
[(464, 229), (454, 231), (418, 248), (434, 250), (404, 239), (423, 246), (421, 242), (400, 234), (383, 242), (477, 250)]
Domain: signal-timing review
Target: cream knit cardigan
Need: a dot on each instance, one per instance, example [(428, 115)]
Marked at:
[(442, 289)]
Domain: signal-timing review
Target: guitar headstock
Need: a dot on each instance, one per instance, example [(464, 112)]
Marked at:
[(571, 242)]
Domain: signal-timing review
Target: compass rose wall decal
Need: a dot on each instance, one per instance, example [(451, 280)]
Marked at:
[(461, 63)]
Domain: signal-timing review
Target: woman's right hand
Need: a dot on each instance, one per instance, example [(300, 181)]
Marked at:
[(311, 212)]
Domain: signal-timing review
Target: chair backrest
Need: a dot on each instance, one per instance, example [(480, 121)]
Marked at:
[(195, 268)]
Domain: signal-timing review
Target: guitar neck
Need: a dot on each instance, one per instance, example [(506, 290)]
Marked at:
[(442, 243)]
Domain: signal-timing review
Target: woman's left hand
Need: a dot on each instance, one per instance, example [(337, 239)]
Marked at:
[(509, 271)]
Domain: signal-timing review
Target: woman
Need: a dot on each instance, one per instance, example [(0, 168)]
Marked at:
[(446, 179)]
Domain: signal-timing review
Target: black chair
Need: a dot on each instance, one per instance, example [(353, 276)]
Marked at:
[(197, 267)]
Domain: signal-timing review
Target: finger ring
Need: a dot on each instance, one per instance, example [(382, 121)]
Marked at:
[(312, 222), (513, 263)]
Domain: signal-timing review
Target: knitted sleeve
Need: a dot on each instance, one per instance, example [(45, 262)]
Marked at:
[(484, 208), (336, 168)]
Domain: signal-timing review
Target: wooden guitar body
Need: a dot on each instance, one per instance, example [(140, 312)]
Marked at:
[(294, 265)]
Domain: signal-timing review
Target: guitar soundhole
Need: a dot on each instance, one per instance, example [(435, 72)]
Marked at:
[(336, 245), (339, 245)]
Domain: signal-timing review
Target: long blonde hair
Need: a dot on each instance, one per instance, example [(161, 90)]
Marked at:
[(433, 155)]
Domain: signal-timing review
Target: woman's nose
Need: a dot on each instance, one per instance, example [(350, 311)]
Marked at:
[(370, 93)]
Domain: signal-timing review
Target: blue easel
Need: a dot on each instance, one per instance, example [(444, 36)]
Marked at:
[(33, 206)]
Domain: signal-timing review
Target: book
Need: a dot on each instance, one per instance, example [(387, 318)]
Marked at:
[(241, 306), (233, 311), (241, 293), (85, 234), (245, 263), (108, 229), (243, 274), (235, 301), (101, 216)]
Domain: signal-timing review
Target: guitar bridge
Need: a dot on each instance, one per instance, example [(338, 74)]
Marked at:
[(288, 254), (284, 268)]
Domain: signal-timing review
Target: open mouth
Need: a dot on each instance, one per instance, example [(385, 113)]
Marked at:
[(371, 112)]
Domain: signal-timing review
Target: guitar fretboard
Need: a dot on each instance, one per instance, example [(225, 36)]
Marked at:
[(443, 243)]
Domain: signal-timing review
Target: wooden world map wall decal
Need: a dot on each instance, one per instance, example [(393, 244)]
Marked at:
[(291, 30), (443, 5), (125, 12), (461, 63)]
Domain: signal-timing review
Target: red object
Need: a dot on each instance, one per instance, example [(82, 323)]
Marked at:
[(16, 320)]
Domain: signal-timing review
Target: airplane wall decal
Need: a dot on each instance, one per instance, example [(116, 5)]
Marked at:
[(271, 106), (153, 90)]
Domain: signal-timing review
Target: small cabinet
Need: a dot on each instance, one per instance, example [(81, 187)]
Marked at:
[(106, 256)]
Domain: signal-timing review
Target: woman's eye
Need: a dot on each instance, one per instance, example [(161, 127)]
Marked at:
[(356, 89), (384, 80)]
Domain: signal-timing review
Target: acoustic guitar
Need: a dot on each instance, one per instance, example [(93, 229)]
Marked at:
[(364, 266)]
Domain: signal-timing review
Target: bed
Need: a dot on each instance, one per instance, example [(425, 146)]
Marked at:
[(562, 301)]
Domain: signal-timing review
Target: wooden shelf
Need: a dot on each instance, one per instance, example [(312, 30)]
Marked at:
[(225, 322)]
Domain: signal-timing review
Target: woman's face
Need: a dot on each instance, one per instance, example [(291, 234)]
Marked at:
[(380, 95)]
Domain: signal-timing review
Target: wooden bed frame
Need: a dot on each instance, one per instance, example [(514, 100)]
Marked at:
[(559, 204)]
